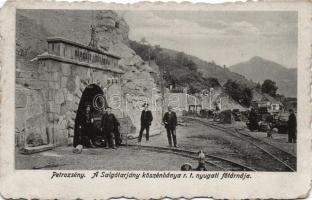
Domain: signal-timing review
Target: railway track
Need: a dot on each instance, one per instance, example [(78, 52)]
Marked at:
[(287, 160), (218, 163)]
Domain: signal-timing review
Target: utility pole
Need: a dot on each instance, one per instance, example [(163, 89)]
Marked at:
[(149, 52), (220, 103), (162, 90), (210, 98)]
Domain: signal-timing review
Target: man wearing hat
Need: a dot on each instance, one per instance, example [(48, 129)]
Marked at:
[(87, 128), (108, 125), (170, 121), (146, 121), (292, 127)]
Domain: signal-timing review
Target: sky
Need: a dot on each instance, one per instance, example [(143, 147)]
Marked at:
[(224, 37)]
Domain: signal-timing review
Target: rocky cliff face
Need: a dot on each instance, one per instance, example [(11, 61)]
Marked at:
[(138, 85)]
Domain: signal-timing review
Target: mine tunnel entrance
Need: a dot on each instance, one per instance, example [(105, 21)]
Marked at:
[(91, 104)]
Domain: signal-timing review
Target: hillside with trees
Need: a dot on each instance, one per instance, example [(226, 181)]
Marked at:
[(182, 70)]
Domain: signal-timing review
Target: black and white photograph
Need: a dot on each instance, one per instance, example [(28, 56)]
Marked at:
[(156, 90)]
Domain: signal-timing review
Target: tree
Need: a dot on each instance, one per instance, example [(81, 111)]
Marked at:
[(181, 59), (258, 87), (269, 87), (156, 52), (213, 82), (232, 89), (192, 89), (246, 97), (143, 40), (238, 92), (191, 65)]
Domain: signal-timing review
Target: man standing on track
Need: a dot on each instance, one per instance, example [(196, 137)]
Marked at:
[(292, 127), (253, 120), (146, 121), (170, 121)]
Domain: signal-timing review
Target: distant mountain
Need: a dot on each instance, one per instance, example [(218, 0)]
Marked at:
[(259, 69)]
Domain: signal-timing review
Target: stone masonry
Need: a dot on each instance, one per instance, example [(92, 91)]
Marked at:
[(47, 97)]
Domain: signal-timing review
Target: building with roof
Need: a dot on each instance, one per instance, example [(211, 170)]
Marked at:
[(264, 100)]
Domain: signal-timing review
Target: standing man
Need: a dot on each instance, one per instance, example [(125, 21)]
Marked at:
[(146, 121), (87, 128), (253, 120), (170, 121), (117, 135), (108, 124), (292, 127), (104, 126)]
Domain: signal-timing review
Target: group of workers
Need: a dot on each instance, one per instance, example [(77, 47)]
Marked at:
[(109, 128), (291, 125)]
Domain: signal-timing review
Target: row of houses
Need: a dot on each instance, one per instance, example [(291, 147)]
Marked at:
[(212, 99), (217, 99), (272, 104)]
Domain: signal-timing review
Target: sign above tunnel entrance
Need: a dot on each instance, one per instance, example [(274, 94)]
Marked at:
[(69, 51)]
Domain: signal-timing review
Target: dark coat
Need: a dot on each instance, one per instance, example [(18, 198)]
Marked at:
[(109, 123), (201, 167), (87, 120), (83, 129), (170, 122), (253, 120), (292, 123), (146, 118)]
